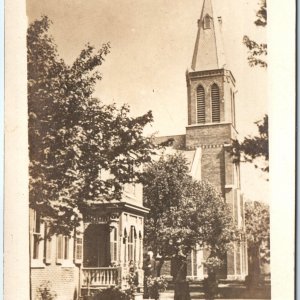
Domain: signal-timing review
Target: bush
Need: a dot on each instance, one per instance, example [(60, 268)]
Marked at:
[(44, 292), (156, 285), (108, 294)]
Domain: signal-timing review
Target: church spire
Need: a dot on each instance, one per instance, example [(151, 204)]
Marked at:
[(208, 52)]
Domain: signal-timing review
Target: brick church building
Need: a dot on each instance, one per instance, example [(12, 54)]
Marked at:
[(211, 90)]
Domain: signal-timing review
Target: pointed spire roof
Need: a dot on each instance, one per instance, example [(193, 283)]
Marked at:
[(208, 52)]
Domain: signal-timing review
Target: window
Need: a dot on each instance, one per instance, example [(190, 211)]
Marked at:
[(200, 105), (131, 238), (207, 20), (233, 108), (215, 103), (47, 248), (36, 235), (62, 248), (113, 245), (78, 249), (48, 251)]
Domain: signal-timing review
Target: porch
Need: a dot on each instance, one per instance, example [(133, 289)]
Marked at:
[(112, 244)]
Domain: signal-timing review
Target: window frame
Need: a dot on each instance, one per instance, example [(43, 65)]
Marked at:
[(36, 240), (113, 245), (78, 249), (47, 248), (214, 101), (207, 22), (63, 249), (198, 104)]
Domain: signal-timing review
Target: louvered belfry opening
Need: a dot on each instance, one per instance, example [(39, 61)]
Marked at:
[(200, 105), (215, 103)]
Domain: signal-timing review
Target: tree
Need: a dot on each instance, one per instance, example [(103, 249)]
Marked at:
[(184, 212), (258, 51), (254, 149), (81, 150), (257, 217)]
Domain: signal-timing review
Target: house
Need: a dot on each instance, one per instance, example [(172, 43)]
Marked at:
[(109, 241), (211, 89)]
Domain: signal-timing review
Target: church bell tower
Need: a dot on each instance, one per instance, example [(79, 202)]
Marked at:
[(211, 124)]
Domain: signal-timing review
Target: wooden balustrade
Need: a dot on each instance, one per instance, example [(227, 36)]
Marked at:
[(107, 276)]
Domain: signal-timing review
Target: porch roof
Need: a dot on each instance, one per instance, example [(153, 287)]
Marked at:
[(115, 207)]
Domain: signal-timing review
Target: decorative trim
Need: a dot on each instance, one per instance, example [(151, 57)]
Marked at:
[(209, 73), (205, 146), (209, 124), (102, 219), (211, 146)]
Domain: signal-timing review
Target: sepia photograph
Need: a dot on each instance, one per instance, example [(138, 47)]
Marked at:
[(146, 134)]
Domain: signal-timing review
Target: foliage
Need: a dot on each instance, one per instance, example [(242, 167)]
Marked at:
[(81, 150), (132, 280), (112, 293), (213, 263), (258, 51), (257, 217), (157, 283), (44, 292), (183, 212), (254, 149)]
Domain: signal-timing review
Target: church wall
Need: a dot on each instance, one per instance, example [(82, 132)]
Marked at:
[(212, 164), (212, 134), (229, 169), (228, 91)]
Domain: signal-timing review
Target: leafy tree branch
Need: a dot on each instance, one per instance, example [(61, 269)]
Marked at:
[(258, 51), (81, 150)]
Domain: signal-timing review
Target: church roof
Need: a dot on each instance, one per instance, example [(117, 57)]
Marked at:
[(208, 51), (176, 144)]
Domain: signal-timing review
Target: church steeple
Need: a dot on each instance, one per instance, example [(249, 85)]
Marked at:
[(210, 86), (208, 51)]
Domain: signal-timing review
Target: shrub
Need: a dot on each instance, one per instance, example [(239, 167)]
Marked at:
[(111, 293), (44, 291), (156, 285)]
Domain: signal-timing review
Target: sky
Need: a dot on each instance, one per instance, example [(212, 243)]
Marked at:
[(152, 43)]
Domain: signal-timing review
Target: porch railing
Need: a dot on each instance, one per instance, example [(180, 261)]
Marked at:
[(97, 277)]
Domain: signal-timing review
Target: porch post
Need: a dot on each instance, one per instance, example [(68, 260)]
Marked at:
[(121, 249), (125, 251), (141, 253), (135, 252)]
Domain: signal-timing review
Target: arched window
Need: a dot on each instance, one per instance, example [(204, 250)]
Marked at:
[(200, 104), (207, 22), (215, 103), (131, 244)]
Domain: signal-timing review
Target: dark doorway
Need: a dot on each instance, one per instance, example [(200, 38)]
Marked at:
[(96, 246)]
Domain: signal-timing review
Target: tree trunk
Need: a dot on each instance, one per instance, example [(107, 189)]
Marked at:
[(254, 267), (179, 273), (210, 285)]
